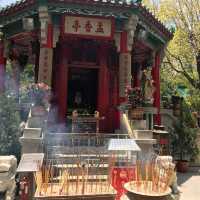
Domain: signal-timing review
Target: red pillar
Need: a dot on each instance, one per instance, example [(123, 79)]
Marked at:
[(123, 49), (156, 78), (103, 88), (50, 36), (63, 81), (2, 66), (115, 102)]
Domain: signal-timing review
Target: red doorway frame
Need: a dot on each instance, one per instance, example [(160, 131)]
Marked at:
[(103, 98), (85, 65)]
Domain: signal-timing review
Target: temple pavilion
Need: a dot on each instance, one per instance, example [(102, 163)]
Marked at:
[(88, 51)]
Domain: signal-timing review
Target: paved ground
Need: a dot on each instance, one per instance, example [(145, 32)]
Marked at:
[(189, 184)]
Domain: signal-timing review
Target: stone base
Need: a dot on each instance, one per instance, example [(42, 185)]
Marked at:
[(32, 133), (36, 122), (31, 145), (143, 134), (139, 124)]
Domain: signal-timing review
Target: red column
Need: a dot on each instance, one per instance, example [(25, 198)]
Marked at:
[(115, 102), (63, 81), (2, 66), (50, 36), (123, 49), (156, 78), (103, 88)]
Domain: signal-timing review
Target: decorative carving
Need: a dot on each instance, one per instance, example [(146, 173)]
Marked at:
[(44, 19), (130, 27)]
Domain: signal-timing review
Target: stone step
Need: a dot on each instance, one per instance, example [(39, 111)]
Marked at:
[(35, 122), (145, 141), (143, 134), (32, 132), (31, 145)]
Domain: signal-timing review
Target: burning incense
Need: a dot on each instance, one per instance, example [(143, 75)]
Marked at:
[(77, 177), (83, 178)]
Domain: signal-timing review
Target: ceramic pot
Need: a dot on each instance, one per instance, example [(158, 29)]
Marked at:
[(136, 113), (182, 166), (134, 194)]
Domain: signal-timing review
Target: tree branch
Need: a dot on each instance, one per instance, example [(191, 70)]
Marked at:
[(191, 80)]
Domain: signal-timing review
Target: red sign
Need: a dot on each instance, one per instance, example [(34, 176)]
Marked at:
[(120, 176), (81, 26)]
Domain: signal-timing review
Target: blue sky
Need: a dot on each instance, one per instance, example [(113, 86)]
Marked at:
[(6, 2)]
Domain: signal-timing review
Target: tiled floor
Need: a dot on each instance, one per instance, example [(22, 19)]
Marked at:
[(189, 184)]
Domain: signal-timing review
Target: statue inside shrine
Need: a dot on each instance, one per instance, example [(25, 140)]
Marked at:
[(78, 99)]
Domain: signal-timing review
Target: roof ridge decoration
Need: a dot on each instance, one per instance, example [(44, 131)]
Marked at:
[(135, 4), (16, 7), (124, 4)]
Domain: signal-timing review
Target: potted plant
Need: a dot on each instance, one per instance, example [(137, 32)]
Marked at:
[(135, 102), (184, 145)]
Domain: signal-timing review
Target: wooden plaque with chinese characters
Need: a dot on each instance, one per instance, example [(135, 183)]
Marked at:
[(124, 73), (45, 66), (89, 27)]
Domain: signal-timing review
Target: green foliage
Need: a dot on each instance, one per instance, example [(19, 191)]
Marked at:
[(184, 142), (188, 118), (9, 126), (193, 100), (26, 79), (27, 76), (39, 94)]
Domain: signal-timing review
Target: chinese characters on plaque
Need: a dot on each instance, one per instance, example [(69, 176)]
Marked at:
[(88, 26), (124, 73), (45, 65)]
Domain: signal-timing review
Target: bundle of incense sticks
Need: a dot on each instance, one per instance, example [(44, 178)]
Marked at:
[(84, 172), (77, 176), (64, 182), (58, 178), (38, 180), (153, 177)]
